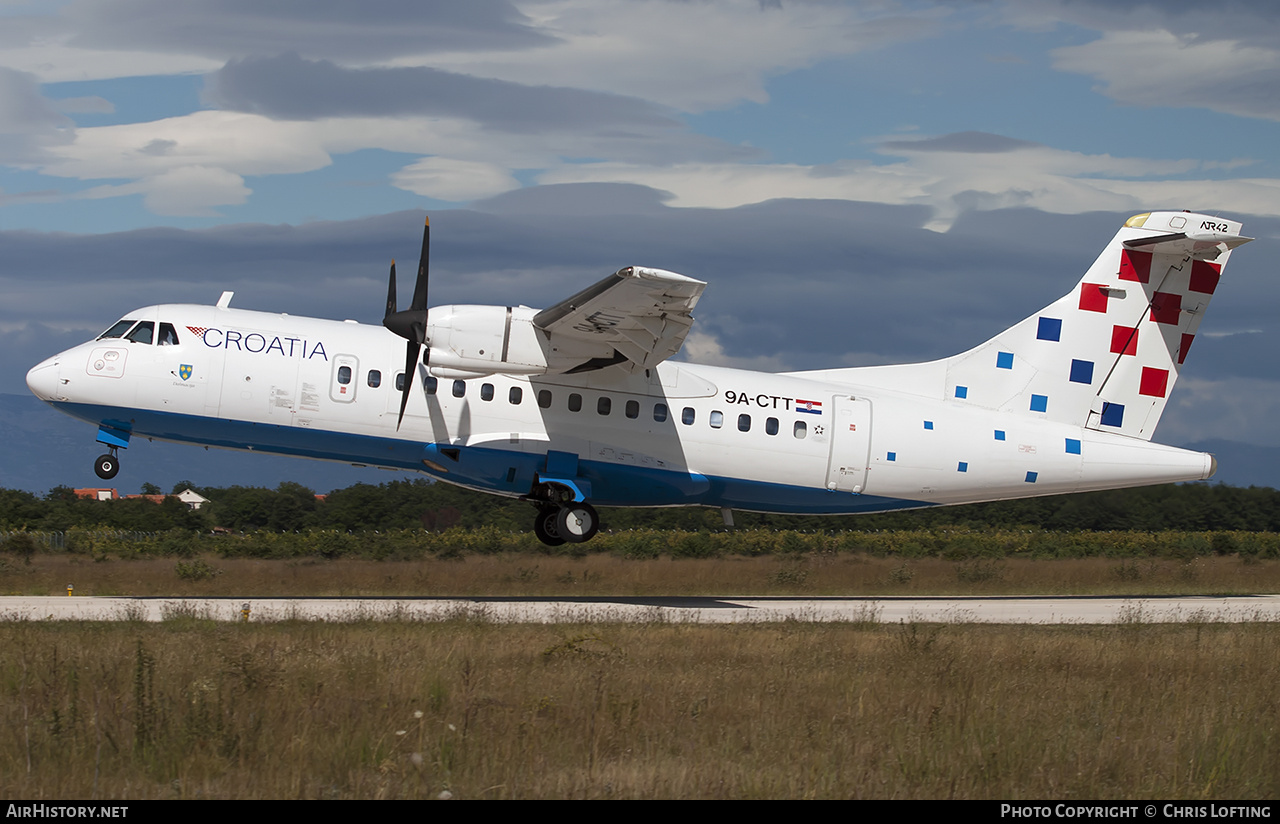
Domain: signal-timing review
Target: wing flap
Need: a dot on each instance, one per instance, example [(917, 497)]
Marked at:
[(643, 314)]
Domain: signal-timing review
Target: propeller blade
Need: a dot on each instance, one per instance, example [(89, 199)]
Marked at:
[(410, 375), (391, 292), (411, 324), (420, 287)]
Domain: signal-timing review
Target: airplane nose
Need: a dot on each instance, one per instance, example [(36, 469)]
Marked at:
[(42, 380)]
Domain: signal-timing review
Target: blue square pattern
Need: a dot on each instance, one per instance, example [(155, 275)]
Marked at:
[(1049, 329), (1039, 403), (963, 466), (1004, 360), (1073, 446), (962, 391), (1031, 477), (999, 434), (1112, 414), (1081, 371), (928, 424), (892, 456)]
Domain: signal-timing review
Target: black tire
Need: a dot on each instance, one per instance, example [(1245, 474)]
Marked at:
[(544, 526), (577, 523), (106, 466)]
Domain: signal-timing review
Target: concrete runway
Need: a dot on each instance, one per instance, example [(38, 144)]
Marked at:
[(1011, 610)]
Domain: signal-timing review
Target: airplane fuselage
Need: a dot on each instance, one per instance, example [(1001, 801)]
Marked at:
[(677, 434), (579, 405)]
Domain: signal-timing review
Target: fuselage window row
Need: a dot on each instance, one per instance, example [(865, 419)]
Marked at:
[(604, 404)]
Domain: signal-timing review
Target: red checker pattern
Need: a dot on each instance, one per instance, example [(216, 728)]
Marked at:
[(1124, 340), (1154, 382), (1166, 307), (1135, 266), (1093, 297), (1204, 276), (1184, 347)]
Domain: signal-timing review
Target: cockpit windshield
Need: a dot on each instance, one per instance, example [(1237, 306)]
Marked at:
[(143, 332), (118, 330)]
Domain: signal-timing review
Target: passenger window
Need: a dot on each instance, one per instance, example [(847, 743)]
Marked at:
[(375, 379), (717, 419), (604, 405), (515, 396), (143, 332), (344, 375), (459, 388), (800, 430), (659, 412), (544, 398), (687, 416), (118, 330), (486, 391), (771, 426), (430, 384), (399, 381), (168, 335), (575, 402), (744, 423), (633, 409)]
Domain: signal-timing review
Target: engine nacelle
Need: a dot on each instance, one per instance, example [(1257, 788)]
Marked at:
[(484, 340)]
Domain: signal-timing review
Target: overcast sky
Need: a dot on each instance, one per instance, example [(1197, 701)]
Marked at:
[(860, 182)]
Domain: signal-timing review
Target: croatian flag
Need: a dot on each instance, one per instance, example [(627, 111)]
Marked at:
[(809, 407)]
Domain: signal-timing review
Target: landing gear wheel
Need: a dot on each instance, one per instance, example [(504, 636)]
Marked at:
[(577, 523), (544, 526), (106, 466)]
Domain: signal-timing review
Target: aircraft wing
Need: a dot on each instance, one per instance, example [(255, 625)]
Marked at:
[(642, 314)]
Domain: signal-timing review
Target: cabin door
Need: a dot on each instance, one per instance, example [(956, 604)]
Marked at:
[(850, 423)]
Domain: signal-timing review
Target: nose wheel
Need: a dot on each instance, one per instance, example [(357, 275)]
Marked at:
[(107, 466), (572, 523)]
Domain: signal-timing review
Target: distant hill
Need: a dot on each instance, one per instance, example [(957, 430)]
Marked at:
[(43, 448)]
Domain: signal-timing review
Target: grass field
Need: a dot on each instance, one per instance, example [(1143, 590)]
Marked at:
[(190, 708), (602, 574), (193, 709)]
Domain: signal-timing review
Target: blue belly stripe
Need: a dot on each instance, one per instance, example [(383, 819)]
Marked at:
[(498, 471)]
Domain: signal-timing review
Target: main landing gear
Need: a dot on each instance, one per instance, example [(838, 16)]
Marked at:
[(574, 523), (107, 465)]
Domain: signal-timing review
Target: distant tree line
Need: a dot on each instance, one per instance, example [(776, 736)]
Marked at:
[(420, 504)]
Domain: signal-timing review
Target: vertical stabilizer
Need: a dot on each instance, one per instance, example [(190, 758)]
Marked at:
[(1107, 354)]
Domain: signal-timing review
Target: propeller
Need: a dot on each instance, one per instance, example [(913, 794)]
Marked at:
[(410, 324)]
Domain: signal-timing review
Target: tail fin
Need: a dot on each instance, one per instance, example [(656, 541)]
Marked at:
[(1107, 354)]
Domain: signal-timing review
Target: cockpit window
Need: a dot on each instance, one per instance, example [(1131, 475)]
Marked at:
[(118, 330), (168, 335), (142, 333)]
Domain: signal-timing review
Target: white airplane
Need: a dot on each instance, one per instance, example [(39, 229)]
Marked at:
[(577, 405)]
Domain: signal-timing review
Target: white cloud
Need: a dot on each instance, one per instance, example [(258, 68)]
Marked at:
[(703, 347), (949, 182), (29, 123), (1160, 68), (240, 143), (187, 191), (454, 180), (692, 56)]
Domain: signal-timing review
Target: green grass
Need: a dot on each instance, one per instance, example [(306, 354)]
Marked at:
[(810, 573)]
